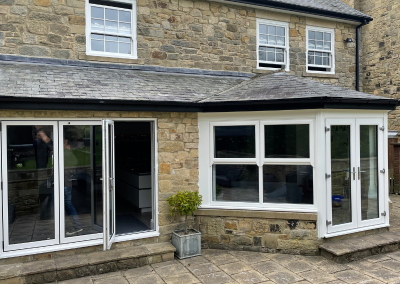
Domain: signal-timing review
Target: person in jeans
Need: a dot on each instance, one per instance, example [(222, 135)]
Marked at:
[(72, 161)]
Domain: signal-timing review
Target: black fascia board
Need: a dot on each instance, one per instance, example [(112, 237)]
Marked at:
[(168, 106), (305, 10)]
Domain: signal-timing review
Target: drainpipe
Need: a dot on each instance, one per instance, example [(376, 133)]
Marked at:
[(358, 54)]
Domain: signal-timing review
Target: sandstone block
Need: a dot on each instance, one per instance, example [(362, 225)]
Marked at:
[(46, 17), (8, 28), (19, 10), (7, 2), (62, 54), (59, 29), (32, 50), (76, 20)]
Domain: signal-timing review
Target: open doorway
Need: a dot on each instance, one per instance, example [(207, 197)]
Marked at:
[(133, 176)]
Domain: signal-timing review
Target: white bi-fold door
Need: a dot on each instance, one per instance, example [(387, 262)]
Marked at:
[(354, 173)]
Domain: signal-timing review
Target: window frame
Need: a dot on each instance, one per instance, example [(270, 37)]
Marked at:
[(260, 161), (331, 52), (132, 36), (286, 58)]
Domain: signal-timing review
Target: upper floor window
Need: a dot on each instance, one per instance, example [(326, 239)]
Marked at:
[(272, 45), (111, 28), (320, 50)]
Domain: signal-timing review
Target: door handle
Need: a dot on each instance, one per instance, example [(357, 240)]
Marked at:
[(359, 172), (354, 173)]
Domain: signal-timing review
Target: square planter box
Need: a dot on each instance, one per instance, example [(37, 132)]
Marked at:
[(187, 245)]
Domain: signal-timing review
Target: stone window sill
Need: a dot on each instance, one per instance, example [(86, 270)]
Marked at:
[(321, 75), (110, 59), (257, 214)]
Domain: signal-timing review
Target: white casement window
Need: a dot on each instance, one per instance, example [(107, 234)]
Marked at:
[(272, 45), (320, 50), (111, 28), (262, 164)]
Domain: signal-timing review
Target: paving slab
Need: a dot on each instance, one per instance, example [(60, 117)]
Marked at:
[(384, 275), (284, 277), (250, 276), (351, 276), (173, 269), (147, 279), (234, 267), (138, 272), (203, 268), (298, 266), (318, 276), (113, 280), (250, 257), (215, 278), (83, 280), (185, 278), (193, 260), (267, 267)]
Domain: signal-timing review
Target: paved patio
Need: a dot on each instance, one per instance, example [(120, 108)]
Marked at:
[(218, 266)]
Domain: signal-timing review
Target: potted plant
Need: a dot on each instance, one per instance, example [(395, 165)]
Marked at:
[(188, 241)]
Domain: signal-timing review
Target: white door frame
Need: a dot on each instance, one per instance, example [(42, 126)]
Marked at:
[(7, 245), (65, 239)]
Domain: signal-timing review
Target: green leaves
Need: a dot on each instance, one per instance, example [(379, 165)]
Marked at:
[(184, 203)]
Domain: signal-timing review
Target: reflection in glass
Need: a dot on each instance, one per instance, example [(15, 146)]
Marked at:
[(30, 171), (369, 172), (341, 175), (82, 184), (288, 184), (235, 183), (287, 141), (235, 141)]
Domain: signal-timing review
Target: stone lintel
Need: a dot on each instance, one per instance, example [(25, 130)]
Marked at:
[(257, 214)]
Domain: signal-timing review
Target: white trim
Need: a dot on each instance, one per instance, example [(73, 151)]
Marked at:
[(133, 34), (352, 231), (285, 48), (331, 52)]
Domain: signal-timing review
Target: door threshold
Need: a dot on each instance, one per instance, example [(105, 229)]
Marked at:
[(347, 232)]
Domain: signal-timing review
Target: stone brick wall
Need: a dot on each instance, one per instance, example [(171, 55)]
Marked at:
[(177, 154), (260, 232), (174, 33)]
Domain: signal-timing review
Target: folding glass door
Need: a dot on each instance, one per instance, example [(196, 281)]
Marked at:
[(354, 175)]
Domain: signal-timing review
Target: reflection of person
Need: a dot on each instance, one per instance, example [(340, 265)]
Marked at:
[(69, 157), (43, 146)]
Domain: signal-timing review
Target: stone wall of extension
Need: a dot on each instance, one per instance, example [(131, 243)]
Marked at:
[(273, 232), (174, 33), (177, 160)]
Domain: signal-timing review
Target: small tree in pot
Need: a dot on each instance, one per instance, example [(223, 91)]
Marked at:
[(187, 242)]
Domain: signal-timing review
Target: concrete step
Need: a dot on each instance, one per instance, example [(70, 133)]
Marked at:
[(344, 251), (75, 266)]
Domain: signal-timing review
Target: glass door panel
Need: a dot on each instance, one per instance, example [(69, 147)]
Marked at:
[(80, 170), (30, 195)]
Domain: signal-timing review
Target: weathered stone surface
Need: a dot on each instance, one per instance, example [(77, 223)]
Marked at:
[(32, 50)]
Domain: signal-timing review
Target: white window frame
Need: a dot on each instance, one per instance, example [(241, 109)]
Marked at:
[(285, 48), (331, 52), (133, 35), (259, 160)]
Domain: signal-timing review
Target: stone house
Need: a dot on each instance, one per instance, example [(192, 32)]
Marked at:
[(110, 107)]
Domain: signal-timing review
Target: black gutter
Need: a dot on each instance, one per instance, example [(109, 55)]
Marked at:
[(120, 105), (358, 54), (303, 9)]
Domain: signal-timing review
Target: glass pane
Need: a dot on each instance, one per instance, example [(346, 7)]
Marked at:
[(97, 45), (319, 35), (111, 26), (272, 40), (30, 170), (271, 56), (287, 141), (325, 61), (280, 31), (82, 185), (263, 29), (288, 184), (318, 60), (311, 58), (95, 36), (327, 37), (111, 14), (279, 57), (271, 30), (369, 172), (263, 39), (319, 45), (262, 56), (327, 45), (125, 16), (311, 44), (124, 39), (280, 41), (125, 48), (235, 183), (111, 46), (125, 28), (311, 35), (111, 38), (110, 182), (97, 25), (235, 141), (340, 174), (97, 12)]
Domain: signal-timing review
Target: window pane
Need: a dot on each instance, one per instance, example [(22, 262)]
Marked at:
[(96, 36), (97, 12), (263, 29), (235, 141), (280, 41), (125, 48), (287, 141), (318, 60), (235, 183), (125, 16), (288, 184), (271, 30), (280, 31), (111, 26), (279, 57), (124, 39), (263, 39), (325, 61), (272, 40), (319, 35), (310, 58), (125, 28), (111, 14), (319, 44), (111, 38), (262, 55), (97, 45), (327, 37), (271, 56), (97, 25), (311, 44), (327, 45), (111, 46), (311, 35)]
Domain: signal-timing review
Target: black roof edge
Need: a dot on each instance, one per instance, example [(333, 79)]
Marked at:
[(305, 10), (82, 63), (168, 106)]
